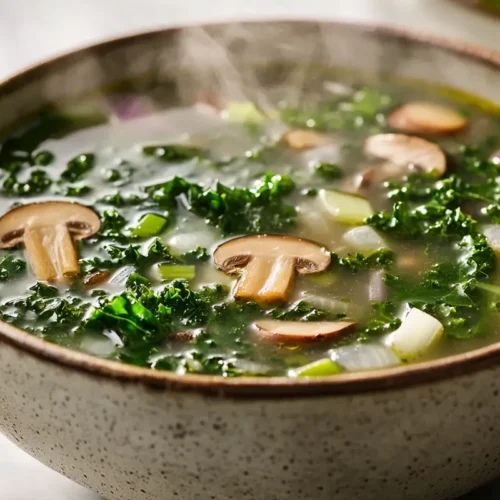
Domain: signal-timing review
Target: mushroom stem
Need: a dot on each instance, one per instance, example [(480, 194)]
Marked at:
[(51, 252), (269, 279), (34, 241)]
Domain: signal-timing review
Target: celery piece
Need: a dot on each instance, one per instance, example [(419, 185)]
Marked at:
[(320, 368), (171, 272), (150, 225)]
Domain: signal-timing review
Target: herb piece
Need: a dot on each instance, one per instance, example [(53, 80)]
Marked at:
[(364, 107), (78, 167), (172, 153), (38, 182), (43, 158), (356, 262), (11, 267), (328, 170)]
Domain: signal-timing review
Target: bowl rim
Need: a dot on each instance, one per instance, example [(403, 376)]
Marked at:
[(263, 387)]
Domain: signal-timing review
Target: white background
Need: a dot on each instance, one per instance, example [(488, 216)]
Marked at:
[(32, 30)]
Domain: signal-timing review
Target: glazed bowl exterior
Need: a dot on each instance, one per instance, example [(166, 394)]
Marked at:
[(427, 431)]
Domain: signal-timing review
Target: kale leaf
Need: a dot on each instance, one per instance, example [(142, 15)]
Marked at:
[(78, 167), (364, 107), (11, 267), (45, 313), (233, 210), (355, 262)]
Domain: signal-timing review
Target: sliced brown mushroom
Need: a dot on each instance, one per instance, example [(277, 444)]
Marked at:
[(406, 150), (47, 230), (427, 118), (300, 331), (268, 264), (304, 139)]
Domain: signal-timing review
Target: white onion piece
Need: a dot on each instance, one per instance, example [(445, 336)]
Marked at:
[(417, 333), (120, 276), (330, 153), (364, 239), (250, 367), (364, 357), (377, 289), (492, 234), (101, 346), (185, 242), (326, 303)]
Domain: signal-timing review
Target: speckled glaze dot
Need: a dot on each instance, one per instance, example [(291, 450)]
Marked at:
[(137, 437)]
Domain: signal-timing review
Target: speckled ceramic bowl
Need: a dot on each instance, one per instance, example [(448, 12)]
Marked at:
[(428, 431)]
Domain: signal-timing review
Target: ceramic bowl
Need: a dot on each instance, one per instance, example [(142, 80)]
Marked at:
[(427, 431)]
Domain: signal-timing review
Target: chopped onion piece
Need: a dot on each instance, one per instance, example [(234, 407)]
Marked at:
[(377, 289), (417, 333), (492, 234), (185, 242), (364, 239), (329, 153), (364, 357), (329, 304), (345, 207), (121, 275), (320, 368)]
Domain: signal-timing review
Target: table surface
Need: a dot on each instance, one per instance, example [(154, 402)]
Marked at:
[(33, 30)]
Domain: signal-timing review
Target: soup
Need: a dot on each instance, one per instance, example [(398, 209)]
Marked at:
[(357, 231)]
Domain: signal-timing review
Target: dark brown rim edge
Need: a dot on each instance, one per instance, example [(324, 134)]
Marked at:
[(380, 380)]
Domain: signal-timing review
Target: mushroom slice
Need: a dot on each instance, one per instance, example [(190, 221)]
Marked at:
[(48, 230), (405, 150), (427, 118), (268, 264), (304, 139), (300, 331)]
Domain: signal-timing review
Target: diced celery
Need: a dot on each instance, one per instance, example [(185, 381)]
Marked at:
[(321, 279), (320, 368), (345, 207), (244, 112), (171, 272), (417, 333), (150, 225)]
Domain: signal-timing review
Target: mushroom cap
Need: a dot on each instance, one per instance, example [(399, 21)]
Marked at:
[(427, 118), (300, 331), (310, 257), (81, 221), (403, 150)]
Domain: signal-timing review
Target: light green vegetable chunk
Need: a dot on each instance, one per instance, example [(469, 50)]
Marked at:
[(173, 271), (345, 207), (417, 333), (150, 225), (244, 112), (320, 368)]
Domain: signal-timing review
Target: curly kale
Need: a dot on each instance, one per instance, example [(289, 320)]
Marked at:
[(173, 153), (44, 312), (11, 267), (355, 262), (364, 107), (231, 209)]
